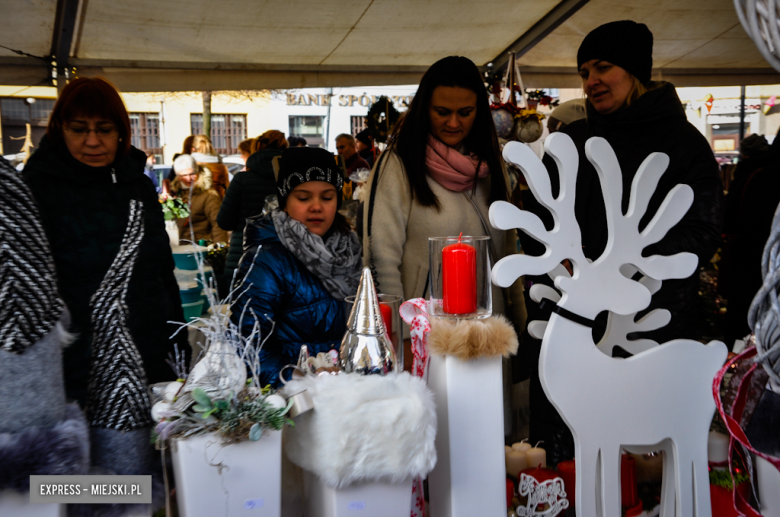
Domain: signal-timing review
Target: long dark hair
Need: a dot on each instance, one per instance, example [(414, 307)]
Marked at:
[(410, 135)]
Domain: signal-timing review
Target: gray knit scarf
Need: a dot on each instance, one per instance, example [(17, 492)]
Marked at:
[(337, 262)]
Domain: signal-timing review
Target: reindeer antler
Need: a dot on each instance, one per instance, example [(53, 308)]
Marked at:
[(625, 242), (564, 240)]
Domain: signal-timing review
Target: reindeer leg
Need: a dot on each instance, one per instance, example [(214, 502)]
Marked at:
[(610, 481), (683, 477), (667, 481), (586, 474)]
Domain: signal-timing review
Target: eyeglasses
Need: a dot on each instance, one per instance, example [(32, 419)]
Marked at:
[(100, 132)]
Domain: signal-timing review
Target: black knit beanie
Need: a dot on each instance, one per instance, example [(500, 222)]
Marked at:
[(301, 164), (363, 136), (626, 44)]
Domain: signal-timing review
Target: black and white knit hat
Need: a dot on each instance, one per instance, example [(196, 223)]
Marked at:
[(301, 164)]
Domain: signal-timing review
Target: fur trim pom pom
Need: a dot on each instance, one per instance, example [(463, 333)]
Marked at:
[(469, 339), (59, 450), (364, 428)]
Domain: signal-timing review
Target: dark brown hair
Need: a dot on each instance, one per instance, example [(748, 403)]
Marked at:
[(186, 147), (271, 139), (245, 146), (90, 97), (410, 134)]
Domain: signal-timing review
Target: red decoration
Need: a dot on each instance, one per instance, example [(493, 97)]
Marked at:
[(510, 492), (387, 316), (567, 471), (459, 278), (629, 493), (722, 500)]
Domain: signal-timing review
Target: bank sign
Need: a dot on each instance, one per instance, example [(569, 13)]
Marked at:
[(400, 101)]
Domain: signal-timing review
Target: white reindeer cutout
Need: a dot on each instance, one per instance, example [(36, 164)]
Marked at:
[(663, 393), (618, 326)]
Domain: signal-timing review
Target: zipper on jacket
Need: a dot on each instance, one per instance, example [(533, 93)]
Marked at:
[(113, 174)]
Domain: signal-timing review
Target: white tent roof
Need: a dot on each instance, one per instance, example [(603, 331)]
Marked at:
[(154, 45)]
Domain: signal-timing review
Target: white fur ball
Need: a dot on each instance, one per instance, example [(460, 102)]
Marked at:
[(171, 390), (159, 408), (276, 401)]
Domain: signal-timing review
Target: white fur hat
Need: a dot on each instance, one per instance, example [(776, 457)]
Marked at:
[(184, 162)]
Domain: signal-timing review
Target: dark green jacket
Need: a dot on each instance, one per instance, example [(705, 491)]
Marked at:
[(245, 198), (84, 214)]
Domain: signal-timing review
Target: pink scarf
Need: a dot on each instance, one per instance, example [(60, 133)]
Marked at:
[(450, 169)]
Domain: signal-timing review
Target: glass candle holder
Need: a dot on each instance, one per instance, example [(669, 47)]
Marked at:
[(460, 285), (390, 306)]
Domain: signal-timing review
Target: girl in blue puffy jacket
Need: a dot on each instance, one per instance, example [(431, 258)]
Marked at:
[(299, 263)]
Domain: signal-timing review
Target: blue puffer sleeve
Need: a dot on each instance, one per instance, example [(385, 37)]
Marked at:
[(260, 301)]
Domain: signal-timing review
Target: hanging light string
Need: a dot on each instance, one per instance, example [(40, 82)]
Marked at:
[(764, 314)]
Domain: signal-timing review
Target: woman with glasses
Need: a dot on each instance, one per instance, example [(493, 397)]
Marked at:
[(84, 176)]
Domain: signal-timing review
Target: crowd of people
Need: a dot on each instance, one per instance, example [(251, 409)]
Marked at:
[(299, 257)]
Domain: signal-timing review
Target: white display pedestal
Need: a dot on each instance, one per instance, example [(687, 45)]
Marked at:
[(14, 504), (374, 499), (250, 483), (469, 477)]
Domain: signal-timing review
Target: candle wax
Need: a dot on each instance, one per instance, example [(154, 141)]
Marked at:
[(515, 462), (459, 278), (536, 456), (521, 446)]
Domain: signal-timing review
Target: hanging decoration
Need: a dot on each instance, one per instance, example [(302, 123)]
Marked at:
[(544, 493), (515, 121), (708, 101), (381, 118)]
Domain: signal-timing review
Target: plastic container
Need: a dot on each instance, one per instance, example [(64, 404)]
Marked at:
[(193, 275), (192, 310), (189, 292), (184, 256)]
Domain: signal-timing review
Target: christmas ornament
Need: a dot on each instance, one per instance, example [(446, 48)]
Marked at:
[(528, 128), (503, 121), (365, 348)]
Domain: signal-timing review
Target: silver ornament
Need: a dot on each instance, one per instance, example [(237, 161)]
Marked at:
[(366, 349)]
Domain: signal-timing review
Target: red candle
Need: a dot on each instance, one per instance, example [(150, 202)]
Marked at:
[(459, 278), (566, 469), (628, 487), (387, 316)]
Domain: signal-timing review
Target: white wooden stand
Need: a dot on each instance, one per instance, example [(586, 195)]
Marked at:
[(370, 499), (14, 504), (250, 483), (469, 477)]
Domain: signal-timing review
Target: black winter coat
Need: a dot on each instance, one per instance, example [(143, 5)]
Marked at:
[(245, 198), (656, 122), (84, 214)]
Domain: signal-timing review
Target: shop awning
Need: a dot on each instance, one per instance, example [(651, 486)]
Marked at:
[(153, 45)]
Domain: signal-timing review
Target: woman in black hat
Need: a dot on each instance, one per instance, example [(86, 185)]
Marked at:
[(300, 262), (637, 117)]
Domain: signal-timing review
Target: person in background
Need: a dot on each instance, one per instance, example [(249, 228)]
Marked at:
[(301, 261), (297, 141), (193, 186), (365, 147), (750, 206), (637, 117), (438, 177), (565, 114), (187, 146), (150, 172), (245, 148), (345, 144), (247, 193), (204, 155), (83, 176)]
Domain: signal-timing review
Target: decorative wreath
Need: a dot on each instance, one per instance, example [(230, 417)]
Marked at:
[(381, 118)]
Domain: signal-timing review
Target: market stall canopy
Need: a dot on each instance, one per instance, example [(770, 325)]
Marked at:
[(151, 45)]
